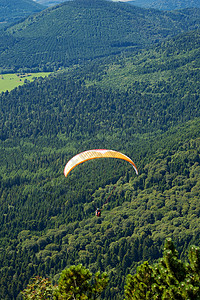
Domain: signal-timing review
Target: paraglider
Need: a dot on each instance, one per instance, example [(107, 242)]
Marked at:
[(93, 154)]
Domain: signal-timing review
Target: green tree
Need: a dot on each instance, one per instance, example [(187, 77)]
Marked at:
[(170, 278), (77, 282), (138, 285), (38, 288)]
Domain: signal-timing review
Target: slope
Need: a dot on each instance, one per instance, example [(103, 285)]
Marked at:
[(166, 5), (12, 12), (77, 31), (164, 64), (45, 229)]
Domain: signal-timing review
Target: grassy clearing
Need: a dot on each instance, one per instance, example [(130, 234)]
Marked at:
[(10, 81)]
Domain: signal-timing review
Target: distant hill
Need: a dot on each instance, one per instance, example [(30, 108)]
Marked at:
[(166, 4), (13, 11), (158, 4), (49, 2), (78, 31)]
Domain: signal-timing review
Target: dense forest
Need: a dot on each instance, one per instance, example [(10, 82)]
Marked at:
[(159, 4), (166, 5), (47, 220), (77, 31), (142, 99)]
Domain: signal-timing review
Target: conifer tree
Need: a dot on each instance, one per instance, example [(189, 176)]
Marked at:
[(137, 286), (170, 278), (38, 288), (77, 282)]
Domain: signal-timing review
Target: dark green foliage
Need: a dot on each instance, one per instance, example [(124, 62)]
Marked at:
[(170, 278), (138, 286), (76, 283), (78, 31)]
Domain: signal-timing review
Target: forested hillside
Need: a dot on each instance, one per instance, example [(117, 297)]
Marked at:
[(159, 4), (77, 31), (146, 107), (166, 5), (14, 11)]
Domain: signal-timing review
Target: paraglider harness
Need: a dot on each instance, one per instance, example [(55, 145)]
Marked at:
[(98, 212)]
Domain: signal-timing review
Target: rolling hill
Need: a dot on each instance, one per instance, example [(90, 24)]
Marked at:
[(159, 4), (77, 31), (166, 5), (14, 11)]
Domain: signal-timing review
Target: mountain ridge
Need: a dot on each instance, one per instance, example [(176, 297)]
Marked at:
[(166, 5), (159, 4), (76, 31)]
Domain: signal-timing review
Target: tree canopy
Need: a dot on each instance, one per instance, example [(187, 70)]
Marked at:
[(170, 278)]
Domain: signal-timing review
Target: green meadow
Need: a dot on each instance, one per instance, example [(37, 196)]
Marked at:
[(10, 81)]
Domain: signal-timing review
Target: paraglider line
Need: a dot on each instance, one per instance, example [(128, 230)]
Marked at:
[(106, 202)]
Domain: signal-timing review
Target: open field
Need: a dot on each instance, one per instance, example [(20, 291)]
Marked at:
[(10, 81)]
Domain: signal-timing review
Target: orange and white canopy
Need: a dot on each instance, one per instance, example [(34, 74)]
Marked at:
[(93, 154)]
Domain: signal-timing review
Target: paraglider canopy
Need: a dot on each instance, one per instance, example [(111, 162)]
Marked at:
[(93, 154)]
